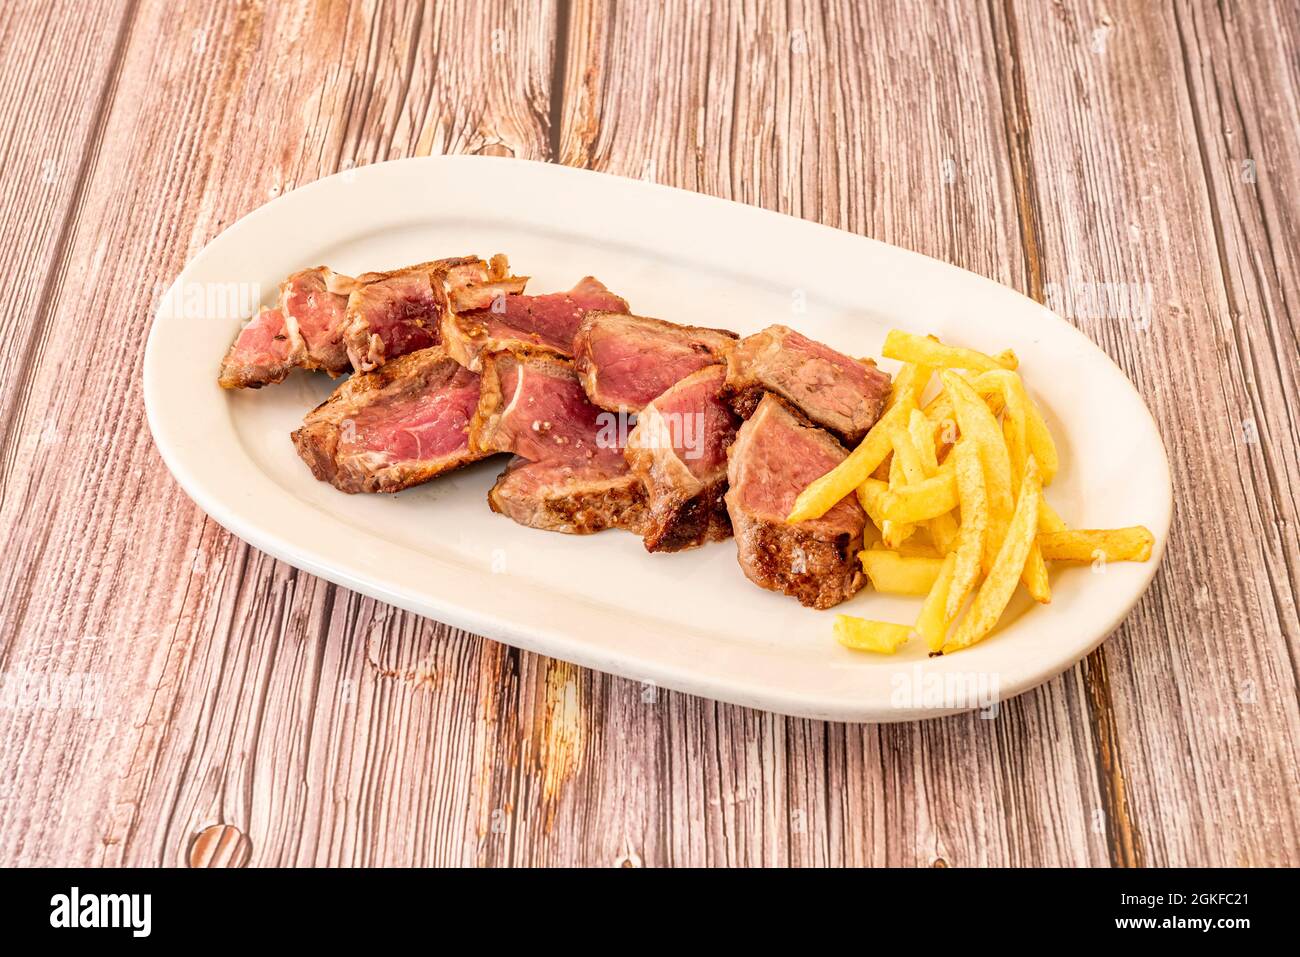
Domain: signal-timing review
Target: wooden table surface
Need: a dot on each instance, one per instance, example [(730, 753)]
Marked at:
[(1133, 164)]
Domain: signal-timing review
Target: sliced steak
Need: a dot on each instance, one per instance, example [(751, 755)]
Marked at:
[(314, 302), (679, 451), (625, 361), (398, 426), (264, 352), (532, 405), (561, 496), (392, 313), (839, 393), (548, 322), (775, 456)]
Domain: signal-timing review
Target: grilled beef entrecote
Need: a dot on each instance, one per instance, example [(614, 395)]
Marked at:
[(547, 322), (777, 453), (679, 451), (839, 393), (626, 361), (398, 426), (570, 474)]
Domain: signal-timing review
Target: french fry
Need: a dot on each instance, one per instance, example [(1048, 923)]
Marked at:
[(922, 350), (1131, 544), (974, 524), (1048, 520), (1018, 403), (911, 380), (1013, 428), (820, 497), (921, 501), (896, 574), (869, 494), (894, 533), (943, 528), (932, 623), (922, 432), (862, 634), (978, 423), (991, 600)]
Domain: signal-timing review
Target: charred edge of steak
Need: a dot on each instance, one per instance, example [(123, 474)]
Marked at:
[(574, 509), (676, 525), (830, 573)]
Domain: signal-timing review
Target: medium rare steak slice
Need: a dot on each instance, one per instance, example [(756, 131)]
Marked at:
[(625, 361), (570, 474), (679, 451), (264, 352), (398, 426), (548, 322), (775, 456), (834, 391), (314, 302), (392, 313), (577, 499)]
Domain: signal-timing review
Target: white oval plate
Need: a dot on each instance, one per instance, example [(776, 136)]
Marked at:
[(688, 621)]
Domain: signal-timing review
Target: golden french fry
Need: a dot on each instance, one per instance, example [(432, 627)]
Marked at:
[(922, 432), (862, 634), (921, 501), (1131, 544), (1048, 520), (897, 574), (973, 495), (894, 533), (922, 350), (1035, 575), (1037, 438), (977, 422), (822, 495), (932, 623), (869, 494), (914, 547), (991, 600), (910, 382)]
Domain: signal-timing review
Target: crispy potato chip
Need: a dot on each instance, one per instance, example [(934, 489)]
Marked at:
[(974, 524), (1131, 544), (862, 634), (897, 574), (922, 350), (932, 623), (820, 497), (991, 600)]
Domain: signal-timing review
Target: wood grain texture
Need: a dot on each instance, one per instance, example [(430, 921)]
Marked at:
[(160, 677)]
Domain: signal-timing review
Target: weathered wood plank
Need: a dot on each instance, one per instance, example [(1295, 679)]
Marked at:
[(55, 78), (235, 689), (1182, 269)]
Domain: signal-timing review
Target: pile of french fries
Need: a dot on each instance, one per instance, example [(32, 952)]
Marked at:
[(953, 485)]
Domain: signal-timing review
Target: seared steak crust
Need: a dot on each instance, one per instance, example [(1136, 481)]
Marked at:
[(568, 474), (679, 451), (776, 454), (576, 500), (843, 395), (398, 426)]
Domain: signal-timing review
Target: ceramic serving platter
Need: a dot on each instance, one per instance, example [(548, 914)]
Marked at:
[(688, 621)]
